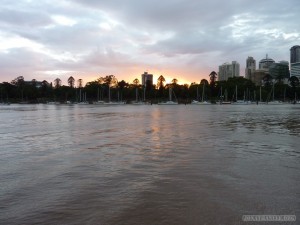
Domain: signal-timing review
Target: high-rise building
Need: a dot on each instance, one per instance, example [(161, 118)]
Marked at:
[(258, 76), (147, 77), (295, 61), (250, 67), (295, 69), (228, 70), (265, 64), (280, 70), (295, 54)]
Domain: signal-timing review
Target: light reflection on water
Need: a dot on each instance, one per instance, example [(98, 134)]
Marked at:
[(147, 164)]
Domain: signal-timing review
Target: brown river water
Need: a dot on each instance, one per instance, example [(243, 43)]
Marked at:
[(184, 164)]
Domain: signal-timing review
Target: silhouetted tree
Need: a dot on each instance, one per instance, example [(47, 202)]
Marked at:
[(45, 89), (109, 81), (122, 84), (212, 78), (267, 80), (71, 82), (294, 81), (160, 82), (204, 81), (160, 85), (57, 83), (136, 82), (174, 81), (79, 83), (19, 81)]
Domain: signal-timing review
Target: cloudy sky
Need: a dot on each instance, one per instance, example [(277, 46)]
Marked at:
[(46, 39)]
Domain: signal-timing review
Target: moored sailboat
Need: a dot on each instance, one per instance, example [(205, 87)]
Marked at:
[(203, 102), (170, 102)]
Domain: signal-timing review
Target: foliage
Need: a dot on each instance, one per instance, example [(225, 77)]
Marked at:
[(71, 82), (33, 91), (57, 83)]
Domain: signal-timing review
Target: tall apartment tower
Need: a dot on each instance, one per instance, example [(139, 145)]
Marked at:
[(227, 70), (146, 76), (295, 54), (250, 67), (235, 69), (295, 61)]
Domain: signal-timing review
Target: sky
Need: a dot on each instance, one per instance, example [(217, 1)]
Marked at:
[(186, 40)]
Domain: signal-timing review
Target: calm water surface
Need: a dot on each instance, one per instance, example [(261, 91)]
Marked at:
[(148, 164)]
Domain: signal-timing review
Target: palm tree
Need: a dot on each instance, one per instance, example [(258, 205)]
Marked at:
[(71, 82)]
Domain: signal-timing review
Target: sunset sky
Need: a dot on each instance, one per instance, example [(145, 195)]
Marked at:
[(178, 39)]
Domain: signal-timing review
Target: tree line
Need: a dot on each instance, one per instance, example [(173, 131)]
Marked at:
[(109, 88)]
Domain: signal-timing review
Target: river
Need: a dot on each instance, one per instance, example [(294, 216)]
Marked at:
[(184, 164)]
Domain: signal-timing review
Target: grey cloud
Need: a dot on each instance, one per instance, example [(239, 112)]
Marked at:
[(19, 18), (203, 34), (157, 15), (22, 59)]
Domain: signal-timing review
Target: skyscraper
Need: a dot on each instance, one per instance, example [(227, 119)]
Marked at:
[(295, 61), (146, 76), (250, 67), (280, 70), (265, 64), (227, 70), (295, 54)]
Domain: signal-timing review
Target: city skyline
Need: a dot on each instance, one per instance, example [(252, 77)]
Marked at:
[(89, 39)]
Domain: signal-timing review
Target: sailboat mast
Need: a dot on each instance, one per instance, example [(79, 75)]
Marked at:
[(203, 92), (273, 92), (235, 92), (136, 94), (260, 94), (221, 94), (108, 93)]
